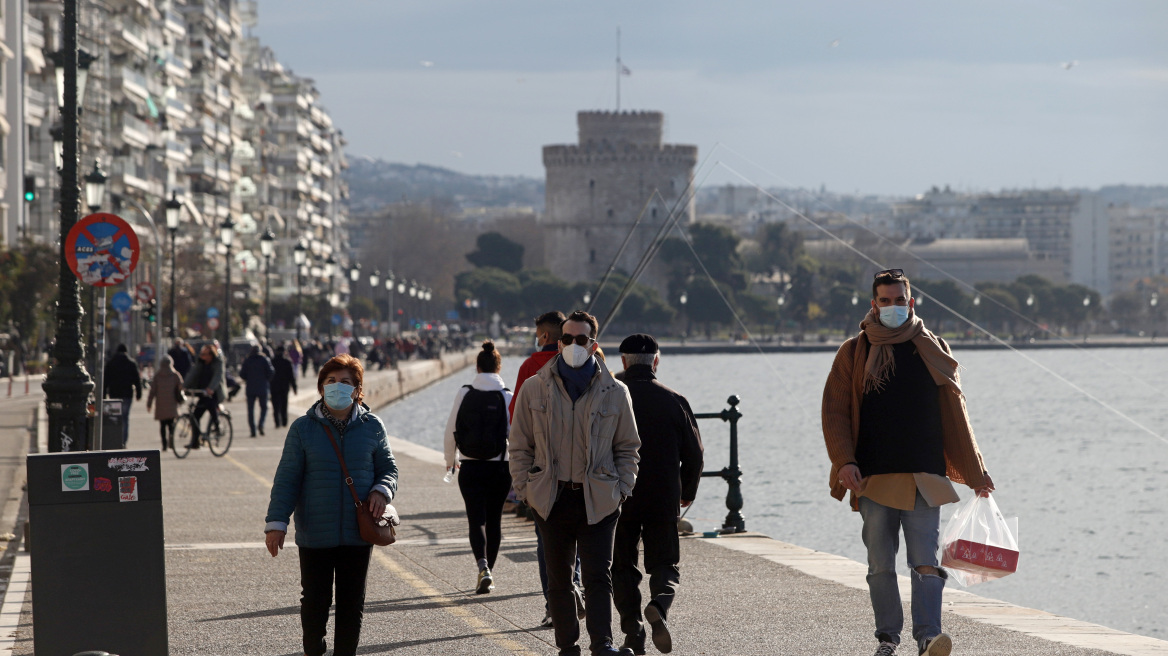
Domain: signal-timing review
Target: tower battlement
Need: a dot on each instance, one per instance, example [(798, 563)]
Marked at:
[(635, 127), (608, 153)]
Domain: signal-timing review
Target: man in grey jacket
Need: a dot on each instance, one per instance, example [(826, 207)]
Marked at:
[(573, 450)]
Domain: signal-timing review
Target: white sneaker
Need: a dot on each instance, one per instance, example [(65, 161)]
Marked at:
[(939, 645)]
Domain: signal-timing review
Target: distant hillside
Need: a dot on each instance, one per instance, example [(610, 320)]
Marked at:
[(374, 183)]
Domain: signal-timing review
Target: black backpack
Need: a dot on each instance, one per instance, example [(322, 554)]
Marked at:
[(480, 429)]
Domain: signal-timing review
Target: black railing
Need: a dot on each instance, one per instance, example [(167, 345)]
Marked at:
[(735, 522)]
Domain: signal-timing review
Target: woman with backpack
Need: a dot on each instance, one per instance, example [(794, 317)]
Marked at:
[(476, 443)]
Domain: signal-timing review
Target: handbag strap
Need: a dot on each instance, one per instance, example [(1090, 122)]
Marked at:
[(344, 469)]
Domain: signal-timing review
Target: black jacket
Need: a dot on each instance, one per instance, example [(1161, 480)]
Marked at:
[(671, 448), (257, 371), (182, 359), (121, 378), (284, 377)]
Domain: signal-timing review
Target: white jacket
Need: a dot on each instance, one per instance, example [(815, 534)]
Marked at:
[(485, 382)]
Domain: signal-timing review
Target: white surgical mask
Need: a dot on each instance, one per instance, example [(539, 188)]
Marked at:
[(892, 316), (575, 355), (338, 396)]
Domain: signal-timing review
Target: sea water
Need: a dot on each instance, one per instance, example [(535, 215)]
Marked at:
[(1057, 428)]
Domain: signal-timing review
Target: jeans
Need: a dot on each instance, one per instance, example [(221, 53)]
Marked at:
[(251, 399), (317, 567), (484, 485), (662, 553), (922, 527), (566, 533)]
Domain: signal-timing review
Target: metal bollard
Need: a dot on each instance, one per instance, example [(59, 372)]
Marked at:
[(735, 522)]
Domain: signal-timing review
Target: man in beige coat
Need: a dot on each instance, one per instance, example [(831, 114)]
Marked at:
[(573, 451)]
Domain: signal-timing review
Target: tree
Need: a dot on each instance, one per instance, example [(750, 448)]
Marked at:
[(779, 248), (495, 250), (498, 289), (542, 291)]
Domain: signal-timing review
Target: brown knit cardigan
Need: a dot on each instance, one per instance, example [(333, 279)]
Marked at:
[(841, 420)]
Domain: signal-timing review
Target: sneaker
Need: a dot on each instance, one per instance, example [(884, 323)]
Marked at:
[(578, 595), (938, 645), (486, 581), (885, 649)]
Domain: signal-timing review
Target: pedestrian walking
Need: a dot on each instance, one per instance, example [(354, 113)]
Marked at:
[(668, 474), (573, 451), (309, 485), (182, 356), (257, 372), (547, 337), (283, 378), (123, 382), (296, 355), (166, 394), (898, 435), (207, 375), (476, 443)]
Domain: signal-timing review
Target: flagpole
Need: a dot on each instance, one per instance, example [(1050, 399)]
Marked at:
[(618, 69)]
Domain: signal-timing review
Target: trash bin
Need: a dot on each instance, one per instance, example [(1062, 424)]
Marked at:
[(96, 546), (111, 424)]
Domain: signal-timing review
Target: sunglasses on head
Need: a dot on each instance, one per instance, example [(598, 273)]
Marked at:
[(894, 273), (581, 340)]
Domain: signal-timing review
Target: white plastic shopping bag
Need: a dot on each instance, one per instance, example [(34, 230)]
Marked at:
[(978, 544)]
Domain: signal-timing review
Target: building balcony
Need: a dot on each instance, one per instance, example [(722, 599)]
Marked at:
[(223, 172), (130, 82), (134, 131), (177, 110), (178, 152), (202, 165), (36, 105), (210, 205), (131, 35), (174, 23)]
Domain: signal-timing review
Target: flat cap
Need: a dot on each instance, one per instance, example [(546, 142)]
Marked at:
[(639, 343)]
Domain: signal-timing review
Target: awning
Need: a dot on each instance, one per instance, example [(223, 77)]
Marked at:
[(6, 52)]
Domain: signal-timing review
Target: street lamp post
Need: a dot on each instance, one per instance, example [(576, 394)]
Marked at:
[(173, 214), (94, 194), (299, 255), (401, 289), (684, 326), (227, 235), (267, 249), (374, 280), (413, 294), (68, 386), (390, 285), (330, 270)]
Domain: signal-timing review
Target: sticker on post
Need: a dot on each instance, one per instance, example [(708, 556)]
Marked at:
[(103, 484), (75, 478), (127, 488), (128, 464)]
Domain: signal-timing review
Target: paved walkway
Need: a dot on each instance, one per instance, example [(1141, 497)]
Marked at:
[(740, 595)]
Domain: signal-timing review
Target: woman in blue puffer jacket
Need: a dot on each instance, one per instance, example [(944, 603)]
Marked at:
[(309, 485)]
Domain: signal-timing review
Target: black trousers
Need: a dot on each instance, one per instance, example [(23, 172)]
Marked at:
[(279, 408), (662, 553), (205, 404), (317, 569), (484, 485), (566, 532)]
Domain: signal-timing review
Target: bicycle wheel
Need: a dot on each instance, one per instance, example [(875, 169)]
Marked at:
[(219, 435), (180, 440)]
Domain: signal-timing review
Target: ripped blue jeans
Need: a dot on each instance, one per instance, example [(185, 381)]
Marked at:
[(922, 528)]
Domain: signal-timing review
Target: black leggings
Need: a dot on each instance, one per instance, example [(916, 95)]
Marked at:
[(484, 485), (166, 430)]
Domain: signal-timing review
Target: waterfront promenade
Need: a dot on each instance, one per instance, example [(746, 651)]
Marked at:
[(740, 595)]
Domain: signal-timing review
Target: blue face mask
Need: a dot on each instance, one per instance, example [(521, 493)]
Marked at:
[(893, 316), (338, 396)]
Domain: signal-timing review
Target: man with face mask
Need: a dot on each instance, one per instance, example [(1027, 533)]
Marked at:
[(573, 450), (547, 337), (897, 433)]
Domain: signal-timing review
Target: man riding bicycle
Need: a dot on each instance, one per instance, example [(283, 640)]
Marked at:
[(207, 375)]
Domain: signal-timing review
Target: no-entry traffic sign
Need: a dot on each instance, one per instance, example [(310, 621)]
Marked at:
[(144, 292), (102, 249)]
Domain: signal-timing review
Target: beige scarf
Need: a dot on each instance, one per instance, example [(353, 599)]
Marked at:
[(881, 365)]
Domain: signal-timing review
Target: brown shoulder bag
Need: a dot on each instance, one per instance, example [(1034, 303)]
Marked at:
[(376, 530)]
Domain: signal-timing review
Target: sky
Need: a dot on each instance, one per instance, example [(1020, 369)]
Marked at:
[(858, 96)]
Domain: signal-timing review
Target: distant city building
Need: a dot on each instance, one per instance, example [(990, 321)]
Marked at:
[(597, 188), (1138, 239)]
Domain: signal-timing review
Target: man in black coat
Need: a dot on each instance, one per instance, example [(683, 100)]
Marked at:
[(670, 469), (122, 382), (257, 370), (282, 380)]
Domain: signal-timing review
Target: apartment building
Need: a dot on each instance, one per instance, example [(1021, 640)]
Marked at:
[(168, 109), (1138, 241)]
